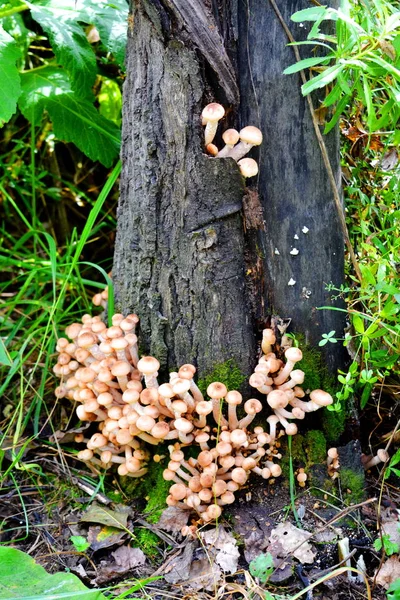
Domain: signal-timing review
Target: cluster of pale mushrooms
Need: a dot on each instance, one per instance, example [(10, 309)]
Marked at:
[(237, 143), (100, 369)]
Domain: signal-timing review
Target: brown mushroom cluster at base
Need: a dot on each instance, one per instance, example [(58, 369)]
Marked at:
[(281, 384), (101, 370)]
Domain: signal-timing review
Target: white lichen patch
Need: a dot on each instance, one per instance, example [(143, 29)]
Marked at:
[(305, 229), (294, 252), (291, 281), (276, 251), (295, 237)]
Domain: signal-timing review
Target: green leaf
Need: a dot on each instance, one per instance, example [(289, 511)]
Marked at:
[(110, 100), (22, 578), (262, 567), (358, 323), (110, 19), (74, 119), (68, 41), (309, 14), (4, 360), (321, 80), (393, 592), (79, 542), (306, 63), (10, 88)]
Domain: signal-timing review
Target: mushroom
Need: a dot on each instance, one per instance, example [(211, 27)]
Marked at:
[(293, 355), (230, 137), (248, 167), (211, 114), (381, 456), (217, 391), (268, 340), (249, 136)]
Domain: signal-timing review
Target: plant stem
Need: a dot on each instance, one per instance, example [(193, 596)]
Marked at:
[(12, 11)]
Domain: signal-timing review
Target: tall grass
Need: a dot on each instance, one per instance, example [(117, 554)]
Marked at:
[(43, 288)]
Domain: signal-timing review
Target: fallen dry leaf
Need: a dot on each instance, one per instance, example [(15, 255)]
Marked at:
[(204, 575), (126, 559), (104, 537), (173, 519), (178, 569), (221, 547), (389, 572), (68, 436), (286, 539), (113, 517)]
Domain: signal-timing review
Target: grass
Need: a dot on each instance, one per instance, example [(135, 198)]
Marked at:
[(43, 289)]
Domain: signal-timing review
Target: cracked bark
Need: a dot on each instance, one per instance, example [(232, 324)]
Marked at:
[(180, 250)]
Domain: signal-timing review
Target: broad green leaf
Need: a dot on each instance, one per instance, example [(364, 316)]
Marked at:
[(74, 119), (10, 88), (22, 578), (309, 14), (68, 41), (322, 79), (333, 96), (262, 567), (110, 19), (358, 323), (38, 86), (110, 100), (306, 63)]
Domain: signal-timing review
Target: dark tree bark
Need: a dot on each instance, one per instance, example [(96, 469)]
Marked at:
[(201, 272)]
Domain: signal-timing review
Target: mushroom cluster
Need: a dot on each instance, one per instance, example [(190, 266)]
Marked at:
[(100, 369), (281, 383), (237, 143), (230, 452)]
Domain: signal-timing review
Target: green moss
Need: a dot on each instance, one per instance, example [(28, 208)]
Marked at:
[(227, 373), (152, 489), (315, 446), (352, 484), (318, 377), (147, 541)]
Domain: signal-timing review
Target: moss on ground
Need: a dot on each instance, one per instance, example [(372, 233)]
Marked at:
[(318, 377), (151, 490), (147, 541), (227, 373), (352, 484), (315, 447)]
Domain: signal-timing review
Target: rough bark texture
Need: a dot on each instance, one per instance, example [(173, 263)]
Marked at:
[(293, 185), (181, 253), (179, 258)]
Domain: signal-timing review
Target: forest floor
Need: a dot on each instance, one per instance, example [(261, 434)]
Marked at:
[(42, 510)]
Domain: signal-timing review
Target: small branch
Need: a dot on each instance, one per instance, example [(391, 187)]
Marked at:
[(324, 152)]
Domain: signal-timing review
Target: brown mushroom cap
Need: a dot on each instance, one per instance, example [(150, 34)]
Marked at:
[(230, 137), (321, 398), (248, 167), (148, 365), (251, 135), (277, 399), (213, 112), (217, 390)]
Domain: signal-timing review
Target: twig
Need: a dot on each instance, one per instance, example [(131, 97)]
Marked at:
[(324, 152)]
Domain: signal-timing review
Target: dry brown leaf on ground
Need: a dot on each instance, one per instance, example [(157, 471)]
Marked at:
[(125, 559), (104, 537), (204, 575), (113, 517), (178, 569), (173, 519), (221, 546), (286, 539), (389, 572)]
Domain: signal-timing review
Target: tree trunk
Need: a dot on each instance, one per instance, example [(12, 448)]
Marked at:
[(201, 273)]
